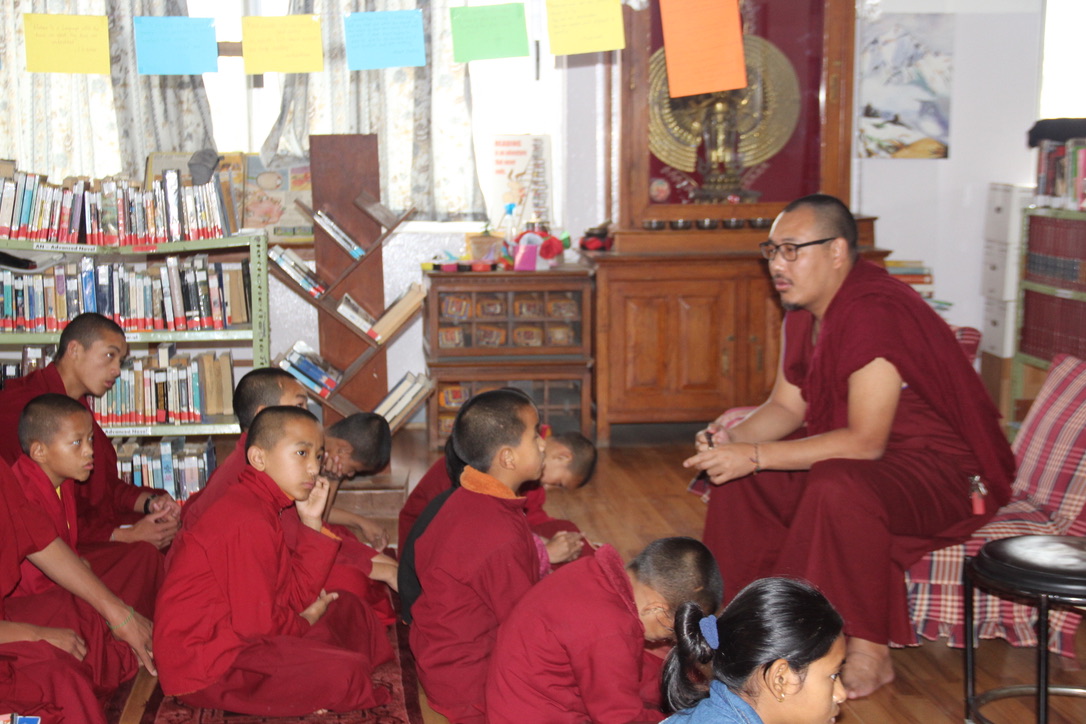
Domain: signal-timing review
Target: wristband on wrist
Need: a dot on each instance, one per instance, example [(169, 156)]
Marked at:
[(757, 462), (131, 613)]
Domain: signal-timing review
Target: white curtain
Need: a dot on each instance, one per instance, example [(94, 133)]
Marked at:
[(422, 116), (94, 125)]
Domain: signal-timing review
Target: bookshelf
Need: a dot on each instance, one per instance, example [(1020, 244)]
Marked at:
[(345, 184), (247, 253), (529, 330), (1051, 298)]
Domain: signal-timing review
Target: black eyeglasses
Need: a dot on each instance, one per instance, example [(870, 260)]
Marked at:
[(788, 251)]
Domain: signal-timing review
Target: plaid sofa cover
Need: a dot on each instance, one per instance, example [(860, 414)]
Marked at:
[(1047, 499)]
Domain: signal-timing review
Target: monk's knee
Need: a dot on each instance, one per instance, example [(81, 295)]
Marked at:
[(830, 483)]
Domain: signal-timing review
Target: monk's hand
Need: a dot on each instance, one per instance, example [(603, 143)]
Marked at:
[(136, 631), (64, 639), (564, 546), (315, 610), (711, 437), (166, 504), (724, 463), (332, 465), (157, 528), (373, 534), (311, 510), (387, 571)]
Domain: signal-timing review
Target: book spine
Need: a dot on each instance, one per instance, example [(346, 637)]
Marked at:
[(311, 370), (301, 377)]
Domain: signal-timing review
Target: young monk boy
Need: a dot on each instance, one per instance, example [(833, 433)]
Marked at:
[(569, 460), (57, 437), (356, 563), (244, 622), (476, 558), (88, 362), (571, 649), (62, 652)]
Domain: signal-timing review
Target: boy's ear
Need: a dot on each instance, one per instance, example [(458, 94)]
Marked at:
[(255, 456), (506, 458), (39, 452)]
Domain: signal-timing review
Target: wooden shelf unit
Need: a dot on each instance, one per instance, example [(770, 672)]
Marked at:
[(529, 330)]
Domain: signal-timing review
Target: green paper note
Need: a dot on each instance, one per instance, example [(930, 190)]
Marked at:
[(489, 31)]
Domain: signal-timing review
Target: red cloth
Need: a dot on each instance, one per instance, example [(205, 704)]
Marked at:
[(36, 677), (104, 501), (354, 561), (852, 527), (571, 650), (436, 481), (474, 561), (234, 587)]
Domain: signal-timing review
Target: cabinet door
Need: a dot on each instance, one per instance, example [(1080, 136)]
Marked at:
[(675, 345), (763, 339)]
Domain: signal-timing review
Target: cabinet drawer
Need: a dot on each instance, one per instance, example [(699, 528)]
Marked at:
[(999, 278), (1003, 216), (1000, 320)]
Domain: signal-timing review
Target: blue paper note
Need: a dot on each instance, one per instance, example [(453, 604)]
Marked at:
[(385, 39), (175, 46)]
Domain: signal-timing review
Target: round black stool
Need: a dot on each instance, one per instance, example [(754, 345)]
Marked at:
[(1045, 568)]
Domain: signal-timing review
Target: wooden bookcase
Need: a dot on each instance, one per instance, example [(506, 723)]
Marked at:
[(1051, 300), (529, 330)]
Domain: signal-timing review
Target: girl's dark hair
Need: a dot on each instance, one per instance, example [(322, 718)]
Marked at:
[(771, 619)]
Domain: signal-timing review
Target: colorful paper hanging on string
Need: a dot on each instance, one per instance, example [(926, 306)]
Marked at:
[(284, 44), (66, 43)]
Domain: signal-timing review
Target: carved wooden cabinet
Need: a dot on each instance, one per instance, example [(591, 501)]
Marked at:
[(681, 338)]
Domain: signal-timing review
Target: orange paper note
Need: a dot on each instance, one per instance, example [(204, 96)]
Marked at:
[(703, 44)]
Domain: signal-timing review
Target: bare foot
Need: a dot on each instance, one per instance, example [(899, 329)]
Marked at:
[(867, 667)]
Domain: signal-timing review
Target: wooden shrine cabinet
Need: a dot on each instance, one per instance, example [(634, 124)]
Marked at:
[(687, 322), (529, 330)]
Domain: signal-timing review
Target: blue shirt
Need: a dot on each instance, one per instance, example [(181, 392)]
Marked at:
[(722, 707)]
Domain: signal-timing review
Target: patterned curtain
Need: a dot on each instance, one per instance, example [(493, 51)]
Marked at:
[(52, 122), (422, 116), (154, 112)]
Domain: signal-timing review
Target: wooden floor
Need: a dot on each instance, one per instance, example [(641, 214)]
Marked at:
[(639, 494)]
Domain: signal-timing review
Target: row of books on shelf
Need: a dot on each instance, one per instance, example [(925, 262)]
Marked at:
[(175, 295), (1052, 325), (169, 388), (172, 464), (116, 211), (34, 357), (1058, 271), (1061, 174), (914, 273), (1058, 237), (404, 397)]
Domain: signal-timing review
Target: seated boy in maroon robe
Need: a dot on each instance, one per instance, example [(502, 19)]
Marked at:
[(64, 651), (571, 649), (476, 558), (357, 564), (244, 620), (568, 462), (88, 363), (57, 437)]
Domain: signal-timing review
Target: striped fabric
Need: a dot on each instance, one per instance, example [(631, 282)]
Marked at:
[(1047, 499)]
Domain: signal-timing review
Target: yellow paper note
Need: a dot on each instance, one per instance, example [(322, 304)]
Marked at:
[(286, 44), (66, 43), (703, 44), (585, 26)]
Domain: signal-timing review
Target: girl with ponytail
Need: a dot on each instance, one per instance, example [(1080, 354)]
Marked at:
[(774, 656)]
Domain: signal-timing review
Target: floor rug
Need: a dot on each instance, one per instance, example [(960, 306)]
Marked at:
[(397, 675)]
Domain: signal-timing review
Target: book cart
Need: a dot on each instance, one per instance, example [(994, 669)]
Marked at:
[(529, 330), (185, 405), (1051, 299)]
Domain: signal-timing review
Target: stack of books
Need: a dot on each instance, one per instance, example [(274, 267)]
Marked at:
[(309, 368), (188, 294), (404, 397), (169, 388), (1061, 174), (114, 211), (915, 274), (172, 465), (296, 268)]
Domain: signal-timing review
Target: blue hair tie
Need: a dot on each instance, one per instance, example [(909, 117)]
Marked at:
[(708, 629)]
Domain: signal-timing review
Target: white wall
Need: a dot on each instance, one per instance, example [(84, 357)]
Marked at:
[(934, 210)]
